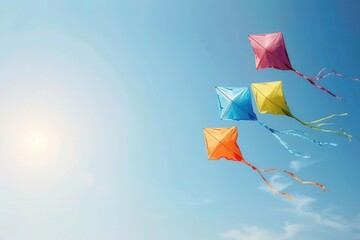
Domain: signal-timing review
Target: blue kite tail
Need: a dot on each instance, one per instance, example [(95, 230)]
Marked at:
[(282, 142), (302, 135)]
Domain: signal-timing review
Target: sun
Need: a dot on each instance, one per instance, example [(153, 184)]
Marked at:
[(37, 142), (34, 142), (38, 147)]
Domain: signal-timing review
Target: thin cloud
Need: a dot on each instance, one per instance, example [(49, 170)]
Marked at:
[(324, 218), (318, 220), (276, 182), (204, 201), (257, 233), (297, 165)]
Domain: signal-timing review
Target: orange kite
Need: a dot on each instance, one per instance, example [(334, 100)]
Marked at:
[(221, 143)]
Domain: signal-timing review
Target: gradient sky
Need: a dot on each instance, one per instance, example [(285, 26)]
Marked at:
[(103, 104)]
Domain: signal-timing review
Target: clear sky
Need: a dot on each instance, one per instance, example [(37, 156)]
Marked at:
[(103, 105)]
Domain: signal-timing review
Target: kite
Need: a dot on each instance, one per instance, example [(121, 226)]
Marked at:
[(269, 98), (235, 104), (270, 52), (221, 143)]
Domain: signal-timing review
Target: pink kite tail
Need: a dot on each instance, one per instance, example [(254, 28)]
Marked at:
[(312, 81), (332, 72)]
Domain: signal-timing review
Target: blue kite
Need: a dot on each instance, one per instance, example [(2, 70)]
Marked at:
[(235, 104)]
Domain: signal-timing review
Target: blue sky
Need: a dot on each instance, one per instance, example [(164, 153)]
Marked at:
[(103, 105)]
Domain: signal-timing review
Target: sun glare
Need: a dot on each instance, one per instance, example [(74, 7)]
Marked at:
[(33, 138), (37, 149), (36, 142)]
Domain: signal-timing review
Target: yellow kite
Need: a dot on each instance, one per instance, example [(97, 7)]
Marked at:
[(269, 98)]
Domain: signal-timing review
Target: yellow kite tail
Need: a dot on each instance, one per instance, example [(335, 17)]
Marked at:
[(317, 125), (328, 117)]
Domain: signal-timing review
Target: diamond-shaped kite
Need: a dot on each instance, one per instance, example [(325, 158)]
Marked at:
[(235, 104), (221, 143), (270, 52), (269, 98)]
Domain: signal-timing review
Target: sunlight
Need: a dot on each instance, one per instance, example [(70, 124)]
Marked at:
[(37, 147), (33, 135), (36, 142)]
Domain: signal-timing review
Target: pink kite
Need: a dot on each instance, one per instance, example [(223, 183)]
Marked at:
[(270, 52)]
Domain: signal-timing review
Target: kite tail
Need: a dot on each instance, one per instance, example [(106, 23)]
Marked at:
[(266, 181), (293, 133), (272, 188), (312, 81), (287, 172), (317, 125), (332, 72), (343, 132), (296, 178), (282, 142), (330, 116)]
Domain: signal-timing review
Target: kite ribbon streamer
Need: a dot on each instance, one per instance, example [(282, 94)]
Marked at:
[(238, 158), (245, 108), (294, 134), (318, 124), (280, 104), (287, 172), (295, 177), (332, 72), (282, 142), (312, 81)]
